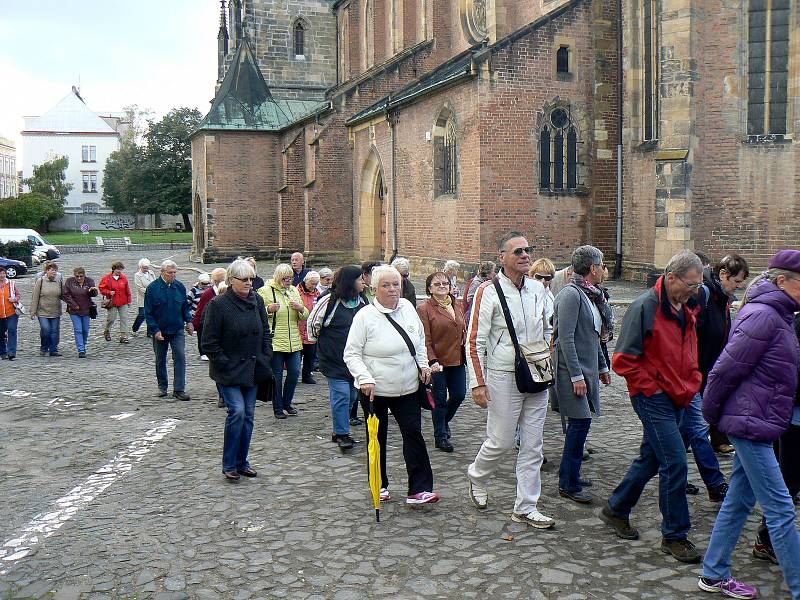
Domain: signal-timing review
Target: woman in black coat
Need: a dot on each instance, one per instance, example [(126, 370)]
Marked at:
[(236, 339)]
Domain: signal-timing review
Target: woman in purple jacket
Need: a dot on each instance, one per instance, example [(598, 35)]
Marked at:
[(750, 396)]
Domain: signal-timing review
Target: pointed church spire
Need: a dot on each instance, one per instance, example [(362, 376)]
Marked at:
[(222, 42)]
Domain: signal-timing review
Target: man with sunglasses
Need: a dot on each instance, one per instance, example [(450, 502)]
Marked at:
[(657, 355), (491, 361), (168, 315)]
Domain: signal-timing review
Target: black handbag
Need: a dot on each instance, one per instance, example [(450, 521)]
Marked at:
[(92, 311), (424, 391), (536, 358)]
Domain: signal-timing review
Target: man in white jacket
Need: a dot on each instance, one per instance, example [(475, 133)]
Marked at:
[(491, 370)]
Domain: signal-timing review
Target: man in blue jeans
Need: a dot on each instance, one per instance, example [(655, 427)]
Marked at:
[(694, 431), (168, 315), (657, 355)]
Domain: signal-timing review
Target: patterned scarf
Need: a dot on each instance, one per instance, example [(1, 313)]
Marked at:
[(598, 297)]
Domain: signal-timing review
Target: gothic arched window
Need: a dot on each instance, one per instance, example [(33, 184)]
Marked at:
[(558, 152), (445, 155), (299, 40)]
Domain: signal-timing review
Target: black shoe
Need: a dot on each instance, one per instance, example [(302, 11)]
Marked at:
[(291, 411), (56, 353), (248, 472), (231, 475), (181, 396), (162, 393), (764, 552), (579, 497), (544, 459), (11, 357), (81, 354), (718, 493), (622, 526), (309, 380), (280, 415), (220, 402), (355, 422), (444, 445), (682, 550), (692, 489), (345, 442), (4, 357)]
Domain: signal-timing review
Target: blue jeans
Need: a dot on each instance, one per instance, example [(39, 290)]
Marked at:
[(176, 341), (756, 477), (662, 451), (569, 473), (50, 333), (342, 394), (695, 434), (284, 391), (241, 404), (454, 381), (81, 327), (8, 325)]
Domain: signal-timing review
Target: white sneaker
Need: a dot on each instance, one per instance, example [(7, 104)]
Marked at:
[(203, 357), (478, 495), (423, 498), (385, 495), (534, 519)]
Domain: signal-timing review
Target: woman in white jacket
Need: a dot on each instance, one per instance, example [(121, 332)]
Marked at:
[(386, 374)]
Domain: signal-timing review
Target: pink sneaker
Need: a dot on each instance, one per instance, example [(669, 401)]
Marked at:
[(729, 587), (423, 498)]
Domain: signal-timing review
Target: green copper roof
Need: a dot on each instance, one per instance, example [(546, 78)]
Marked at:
[(245, 103)]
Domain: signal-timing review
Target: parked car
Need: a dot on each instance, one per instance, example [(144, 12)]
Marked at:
[(14, 268), (30, 235)]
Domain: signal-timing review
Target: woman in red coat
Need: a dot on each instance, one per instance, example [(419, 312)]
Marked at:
[(116, 300)]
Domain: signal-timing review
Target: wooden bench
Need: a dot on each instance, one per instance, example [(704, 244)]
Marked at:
[(159, 231)]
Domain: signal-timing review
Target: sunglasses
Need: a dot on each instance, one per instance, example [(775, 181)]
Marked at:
[(541, 277), (245, 278), (519, 251)]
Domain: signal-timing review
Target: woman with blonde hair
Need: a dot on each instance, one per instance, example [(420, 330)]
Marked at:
[(544, 271), (285, 309)]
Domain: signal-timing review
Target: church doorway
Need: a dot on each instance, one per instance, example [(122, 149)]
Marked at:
[(372, 210)]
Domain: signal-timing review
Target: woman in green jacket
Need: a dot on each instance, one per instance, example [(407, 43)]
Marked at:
[(285, 309)]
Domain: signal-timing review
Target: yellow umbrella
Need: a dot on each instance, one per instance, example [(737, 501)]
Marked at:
[(374, 453)]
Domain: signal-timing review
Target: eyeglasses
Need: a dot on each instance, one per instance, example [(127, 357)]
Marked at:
[(245, 279), (541, 277), (518, 251), (440, 284), (691, 286)]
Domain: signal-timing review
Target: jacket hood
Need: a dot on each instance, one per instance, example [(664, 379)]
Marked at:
[(766, 292), (713, 282), (278, 287)]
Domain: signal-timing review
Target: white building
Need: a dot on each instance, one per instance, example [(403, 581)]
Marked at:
[(8, 168), (86, 138)]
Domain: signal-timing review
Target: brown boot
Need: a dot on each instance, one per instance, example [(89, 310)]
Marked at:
[(107, 335)]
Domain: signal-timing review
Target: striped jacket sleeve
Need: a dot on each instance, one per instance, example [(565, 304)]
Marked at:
[(480, 322)]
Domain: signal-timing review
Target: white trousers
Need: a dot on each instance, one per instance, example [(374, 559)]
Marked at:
[(507, 409)]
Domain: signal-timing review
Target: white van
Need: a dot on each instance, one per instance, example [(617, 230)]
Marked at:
[(40, 245)]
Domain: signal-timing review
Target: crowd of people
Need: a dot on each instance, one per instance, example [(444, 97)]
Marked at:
[(522, 337)]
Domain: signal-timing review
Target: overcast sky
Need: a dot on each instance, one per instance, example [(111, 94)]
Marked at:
[(155, 53)]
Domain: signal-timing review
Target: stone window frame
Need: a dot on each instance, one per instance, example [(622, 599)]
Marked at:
[(368, 34), (445, 129), (650, 133), (89, 182), (792, 88), (474, 20), (90, 208), (581, 125), (559, 43), (303, 23)]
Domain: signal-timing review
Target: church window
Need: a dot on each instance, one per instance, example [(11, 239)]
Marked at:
[(558, 153), (562, 59), (445, 155), (768, 66), (650, 69), (299, 40), (369, 35), (90, 208)]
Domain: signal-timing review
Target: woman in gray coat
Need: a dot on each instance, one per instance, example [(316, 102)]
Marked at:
[(580, 314)]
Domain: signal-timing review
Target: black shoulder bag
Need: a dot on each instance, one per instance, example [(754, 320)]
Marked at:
[(533, 367), (425, 391)]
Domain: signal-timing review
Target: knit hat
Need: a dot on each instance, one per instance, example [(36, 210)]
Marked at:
[(788, 260)]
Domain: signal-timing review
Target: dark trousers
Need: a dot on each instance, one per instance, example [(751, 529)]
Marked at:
[(718, 438), (407, 412), (569, 473), (199, 333), (787, 449), (137, 322), (309, 358), (452, 380)]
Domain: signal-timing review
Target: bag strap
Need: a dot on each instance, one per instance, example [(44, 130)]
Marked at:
[(275, 314), (507, 314), (330, 310), (406, 339)]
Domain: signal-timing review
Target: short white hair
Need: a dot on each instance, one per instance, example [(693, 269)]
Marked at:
[(325, 272), (311, 275), (168, 264), (399, 263), (239, 269), (381, 272), (452, 264), (204, 278), (218, 274), (144, 262)]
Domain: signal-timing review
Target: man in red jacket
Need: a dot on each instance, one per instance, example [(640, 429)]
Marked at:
[(657, 355)]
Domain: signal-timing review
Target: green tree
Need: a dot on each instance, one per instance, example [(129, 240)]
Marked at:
[(122, 180), (135, 120), (166, 175), (31, 210), (49, 179)]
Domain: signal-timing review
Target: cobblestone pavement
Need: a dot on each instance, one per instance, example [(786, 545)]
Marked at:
[(119, 494)]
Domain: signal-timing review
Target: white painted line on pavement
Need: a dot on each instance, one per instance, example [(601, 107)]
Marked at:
[(16, 393), (121, 416), (46, 524)]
